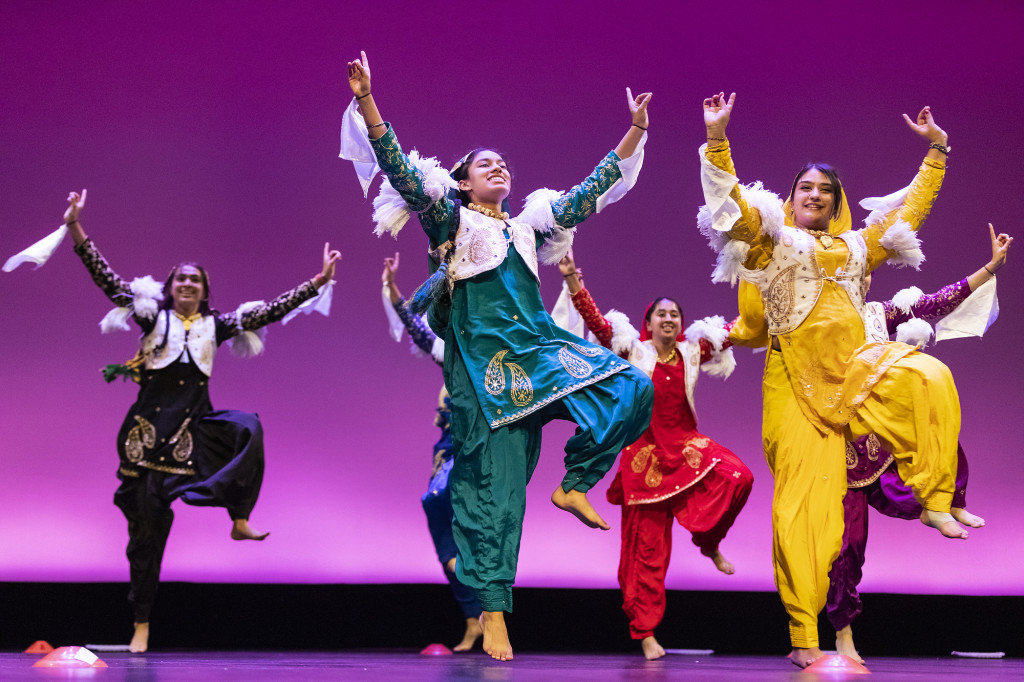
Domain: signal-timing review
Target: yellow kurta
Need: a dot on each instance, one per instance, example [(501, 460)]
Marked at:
[(843, 387)]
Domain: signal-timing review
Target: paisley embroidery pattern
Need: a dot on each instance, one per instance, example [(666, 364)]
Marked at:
[(141, 436), (494, 378), (576, 366), (182, 441), (851, 456), (522, 387), (778, 303), (653, 477), (873, 446), (639, 462), (586, 350)]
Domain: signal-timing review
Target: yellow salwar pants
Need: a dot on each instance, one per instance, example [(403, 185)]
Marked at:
[(914, 409)]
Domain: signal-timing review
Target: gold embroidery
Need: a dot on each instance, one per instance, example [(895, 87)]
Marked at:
[(586, 350), (494, 378), (186, 471), (128, 472), (182, 441), (141, 436), (873, 446), (556, 395), (522, 387), (778, 302), (578, 367), (810, 379), (640, 459), (693, 456), (653, 477), (851, 456)]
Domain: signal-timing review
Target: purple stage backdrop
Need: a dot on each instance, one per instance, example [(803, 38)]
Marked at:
[(209, 131)]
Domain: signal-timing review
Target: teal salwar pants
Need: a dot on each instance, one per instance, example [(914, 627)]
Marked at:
[(492, 467)]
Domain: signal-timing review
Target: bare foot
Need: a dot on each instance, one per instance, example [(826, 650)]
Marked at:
[(577, 504), (721, 563), (944, 523), (241, 530), (140, 640), (804, 657), (967, 518), (473, 632), (844, 644), (652, 649), (496, 635)]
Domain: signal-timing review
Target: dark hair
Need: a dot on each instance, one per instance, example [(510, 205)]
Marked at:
[(833, 177), (654, 304), (462, 172), (204, 304)]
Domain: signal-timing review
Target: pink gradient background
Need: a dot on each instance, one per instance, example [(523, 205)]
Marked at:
[(209, 131)]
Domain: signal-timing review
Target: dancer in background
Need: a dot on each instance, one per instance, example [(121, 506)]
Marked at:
[(437, 502), (824, 380), (508, 367), (871, 480), (173, 444), (673, 472)]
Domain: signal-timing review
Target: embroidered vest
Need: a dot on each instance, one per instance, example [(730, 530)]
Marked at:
[(644, 356), (480, 244), (875, 329), (201, 342), (791, 283)]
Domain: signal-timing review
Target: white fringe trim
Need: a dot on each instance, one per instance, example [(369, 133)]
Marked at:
[(624, 334), (248, 344), (721, 364), (116, 320), (537, 211), (716, 240), (903, 245), (557, 245), (711, 328), (390, 212), (905, 299), (147, 294), (768, 204), (437, 350), (915, 331), (729, 267)]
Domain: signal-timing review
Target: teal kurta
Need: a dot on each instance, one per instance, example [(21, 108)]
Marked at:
[(510, 369), (517, 358)]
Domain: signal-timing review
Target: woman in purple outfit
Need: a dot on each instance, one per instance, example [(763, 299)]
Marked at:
[(871, 480)]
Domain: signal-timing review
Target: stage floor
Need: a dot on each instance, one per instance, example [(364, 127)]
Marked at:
[(399, 666)]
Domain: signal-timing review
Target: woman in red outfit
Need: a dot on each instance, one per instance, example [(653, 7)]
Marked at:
[(673, 472)]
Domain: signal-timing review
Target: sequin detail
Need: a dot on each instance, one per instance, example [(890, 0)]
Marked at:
[(494, 378), (576, 366), (182, 441), (641, 458), (141, 436), (522, 387)]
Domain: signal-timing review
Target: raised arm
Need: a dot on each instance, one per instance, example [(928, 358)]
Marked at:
[(419, 332), (921, 193), (250, 318), (622, 163), (582, 301), (746, 225), (948, 298), (421, 194), (116, 289)]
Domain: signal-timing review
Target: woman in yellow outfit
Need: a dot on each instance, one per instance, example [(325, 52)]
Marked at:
[(822, 382)]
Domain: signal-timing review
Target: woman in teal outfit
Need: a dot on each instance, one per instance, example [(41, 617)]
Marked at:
[(508, 367)]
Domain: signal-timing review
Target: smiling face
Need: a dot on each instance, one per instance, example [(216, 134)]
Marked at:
[(813, 200), (187, 290), (664, 322), (487, 180)]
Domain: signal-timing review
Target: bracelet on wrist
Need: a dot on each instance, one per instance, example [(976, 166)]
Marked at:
[(989, 271), (376, 125), (73, 222), (639, 126), (569, 274), (945, 149), (362, 96), (716, 139)]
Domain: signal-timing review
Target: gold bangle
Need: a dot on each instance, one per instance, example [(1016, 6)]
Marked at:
[(988, 271)]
